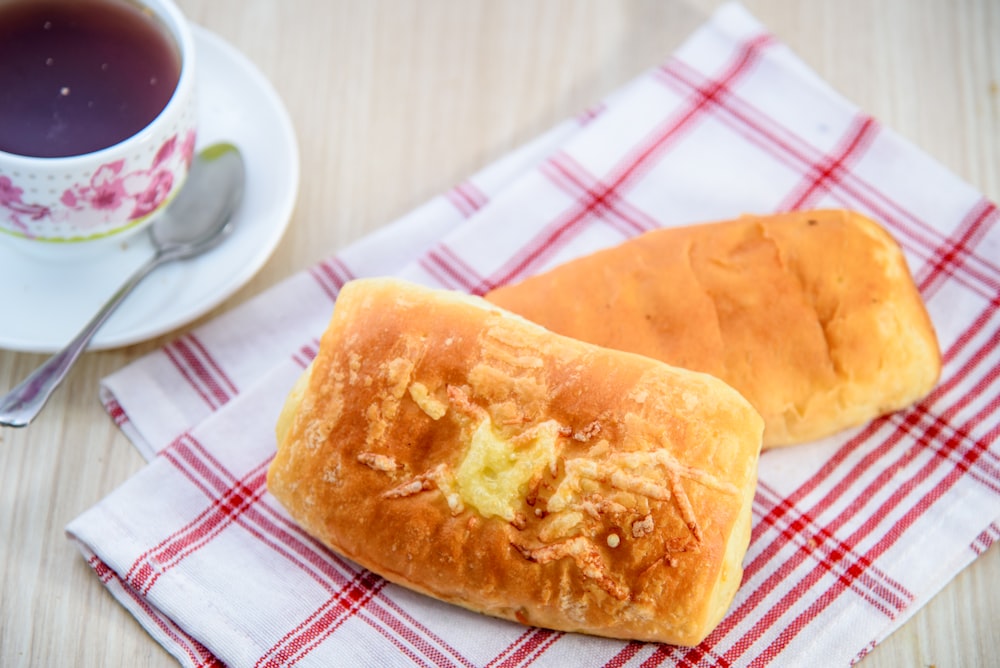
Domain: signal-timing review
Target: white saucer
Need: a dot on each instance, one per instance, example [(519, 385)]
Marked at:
[(45, 302)]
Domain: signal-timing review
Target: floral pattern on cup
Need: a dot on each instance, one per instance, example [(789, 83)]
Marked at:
[(115, 197)]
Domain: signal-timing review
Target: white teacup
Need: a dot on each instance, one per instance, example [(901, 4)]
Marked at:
[(62, 204)]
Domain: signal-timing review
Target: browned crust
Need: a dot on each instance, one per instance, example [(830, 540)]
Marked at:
[(811, 315), (663, 459)]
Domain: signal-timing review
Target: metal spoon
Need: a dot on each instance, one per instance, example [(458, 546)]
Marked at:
[(198, 219)]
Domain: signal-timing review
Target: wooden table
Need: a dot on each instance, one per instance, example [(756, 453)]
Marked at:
[(395, 101)]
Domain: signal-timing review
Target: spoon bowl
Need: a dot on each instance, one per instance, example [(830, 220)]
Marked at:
[(197, 220), (201, 215)]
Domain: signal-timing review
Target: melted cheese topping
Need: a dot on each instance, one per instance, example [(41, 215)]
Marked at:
[(493, 477)]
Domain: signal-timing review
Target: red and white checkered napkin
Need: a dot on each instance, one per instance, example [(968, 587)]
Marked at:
[(851, 534)]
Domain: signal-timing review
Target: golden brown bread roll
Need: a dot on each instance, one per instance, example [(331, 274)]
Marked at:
[(469, 454), (813, 315)]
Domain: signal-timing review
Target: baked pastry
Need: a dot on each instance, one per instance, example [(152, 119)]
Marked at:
[(471, 455), (812, 315)]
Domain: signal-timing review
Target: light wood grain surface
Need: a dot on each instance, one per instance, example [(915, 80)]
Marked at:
[(395, 101)]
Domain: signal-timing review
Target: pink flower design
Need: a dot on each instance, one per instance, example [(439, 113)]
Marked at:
[(10, 199), (149, 199), (187, 148), (165, 152), (104, 195), (9, 193)]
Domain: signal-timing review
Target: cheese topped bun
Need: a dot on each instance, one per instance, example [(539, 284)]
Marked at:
[(466, 453)]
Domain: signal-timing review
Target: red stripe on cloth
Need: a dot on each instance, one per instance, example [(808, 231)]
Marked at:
[(571, 177), (286, 538), (309, 633), (200, 655), (221, 512), (873, 585), (587, 116), (865, 651), (210, 359), (954, 253), (195, 651), (439, 271), (415, 634), (306, 354), (987, 471), (451, 270), (626, 654), (973, 331), (116, 412), (790, 631), (294, 641), (467, 198), (823, 175), (191, 378), (527, 636), (197, 535), (322, 283), (526, 649), (677, 657), (205, 367), (331, 274), (104, 572), (635, 163), (986, 539), (201, 371)]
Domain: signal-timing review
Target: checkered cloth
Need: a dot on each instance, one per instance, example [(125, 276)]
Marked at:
[(851, 534)]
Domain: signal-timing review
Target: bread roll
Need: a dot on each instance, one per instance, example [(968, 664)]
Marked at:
[(471, 455), (811, 315)]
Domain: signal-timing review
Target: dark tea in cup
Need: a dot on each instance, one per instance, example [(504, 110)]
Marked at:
[(77, 76), (98, 120)]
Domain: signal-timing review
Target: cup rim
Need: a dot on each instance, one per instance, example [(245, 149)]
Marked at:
[(180, 30)]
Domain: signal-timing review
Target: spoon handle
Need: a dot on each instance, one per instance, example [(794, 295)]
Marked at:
[(20, 406)]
